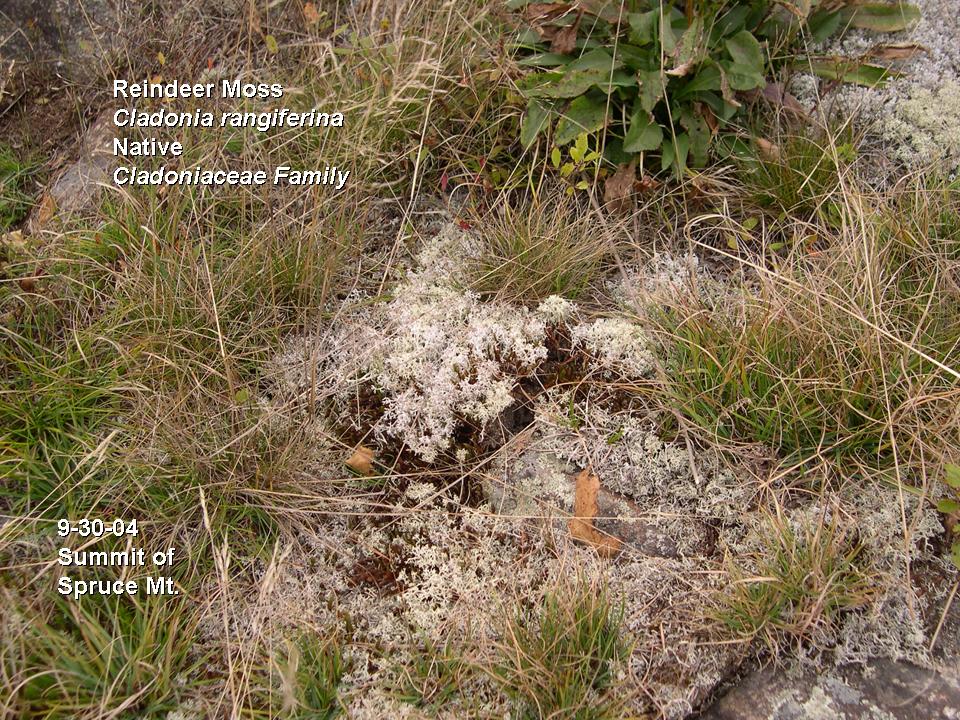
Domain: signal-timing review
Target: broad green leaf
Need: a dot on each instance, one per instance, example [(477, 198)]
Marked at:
[(574, 82), (824, 24), (619, 79), (700, 136), (745, 72), (559, 84), (707, 78), (637, 58), (733, 146), (675, 154), (723, 110), (730, 22), (537, 118), (555, 157), (596, 60), (883, 17), (585, 115), (955, 554), (691, 44), (644, 134), (952, 476), (650, 84), (668, 38), (530, 84), (850, 71), (614, 153), (526, 38), (544, 60), (643, 27), (948, 506)]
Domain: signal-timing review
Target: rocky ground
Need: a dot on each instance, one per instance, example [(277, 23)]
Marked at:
[(487, 414)]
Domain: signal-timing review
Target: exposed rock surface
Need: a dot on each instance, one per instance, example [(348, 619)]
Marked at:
[(80, 183), (880, 690), (49, 29), (539, 484)]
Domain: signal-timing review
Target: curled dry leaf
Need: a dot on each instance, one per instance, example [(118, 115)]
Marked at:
[(565, 41), (45, 212), (585, 509), (618, 190), (706, 113), (682, 69), (362, 460), (768, 150), (775, 94), (897, 51), (544, 12), (647, 184)]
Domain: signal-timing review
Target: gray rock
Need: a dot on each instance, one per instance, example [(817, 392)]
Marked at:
[(539, 484), (50, 29), (881, 690), (77, 187)]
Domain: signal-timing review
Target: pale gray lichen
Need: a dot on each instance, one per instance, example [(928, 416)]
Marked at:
[(440, 357), (924, 127), (556, 310), (915, 115), (619, 347), (446, 357)]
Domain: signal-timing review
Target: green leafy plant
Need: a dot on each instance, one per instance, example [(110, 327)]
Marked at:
[(668, 78), (581, 159), (951, 508)]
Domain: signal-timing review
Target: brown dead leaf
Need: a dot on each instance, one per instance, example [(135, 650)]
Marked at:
[(704, 111), (45, 211), (682, 69), (585, 509), (565, 41), (618, 189), (648, 184), (603, 9), (768, 150), (775, 94), (545, 12), (362, 460), (897, 51)]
